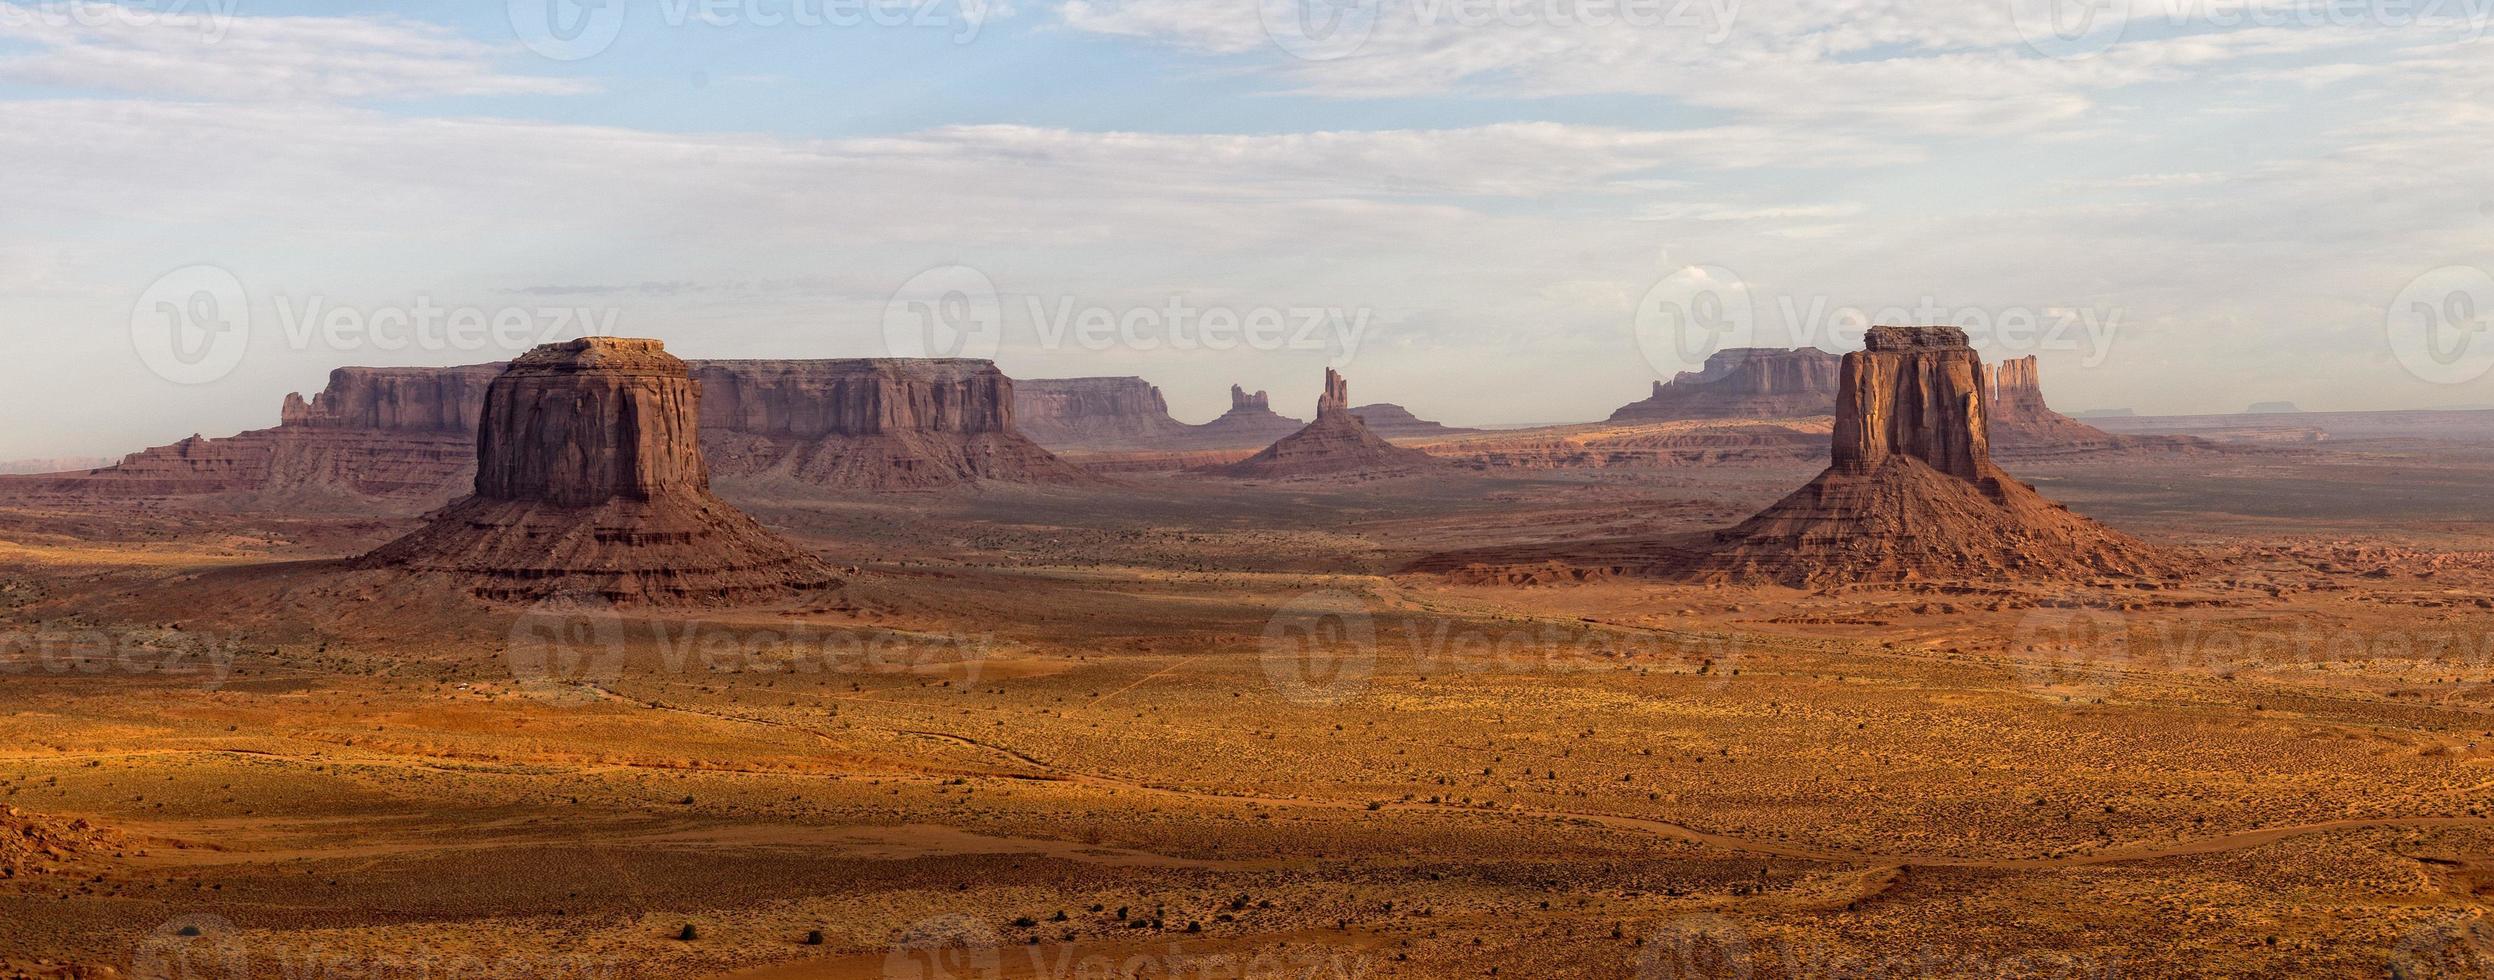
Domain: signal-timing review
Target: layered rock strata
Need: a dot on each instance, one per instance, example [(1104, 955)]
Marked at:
[(1336, 445), (590, 483), (1744, 383)]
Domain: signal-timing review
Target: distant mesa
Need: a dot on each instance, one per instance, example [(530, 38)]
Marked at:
[(1744, 383), (887, 424), (2273, 408), (1250, 422), (1396, 422), (405, 438), (1337, 445), (1100, 414), (2108, 413), (53, 464), (1911, 494), (590, 483)]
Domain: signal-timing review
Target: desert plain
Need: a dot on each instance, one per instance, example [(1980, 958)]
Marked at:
[(1169, 725)]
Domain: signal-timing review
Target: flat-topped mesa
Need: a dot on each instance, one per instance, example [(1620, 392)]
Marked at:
[(1336, 445), (581, 423), (1744, 382), (591, 483), (445, 400), (869, 424), (1094, 414), (1914, 391), (1241, 401)]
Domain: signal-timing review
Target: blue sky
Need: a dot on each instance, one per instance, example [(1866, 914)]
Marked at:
[(1487, 210)]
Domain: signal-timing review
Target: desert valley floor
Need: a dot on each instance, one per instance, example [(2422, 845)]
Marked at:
[(1192, 727)]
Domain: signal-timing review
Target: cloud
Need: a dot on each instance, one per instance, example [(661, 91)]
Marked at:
[(206, 55)]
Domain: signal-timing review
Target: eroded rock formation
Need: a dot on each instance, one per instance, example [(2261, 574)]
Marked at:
[(1912, 492), (1397, 422), (1745, 383), (1095, 414), (890, 424), (2025, 428), (590, 483), (406, 437), (1336, 445), (1250, 422)]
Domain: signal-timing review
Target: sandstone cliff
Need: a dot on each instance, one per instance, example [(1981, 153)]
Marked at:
[(1095, 414), (405, 438), (591, 484), (1336, 446), (1745, 382), (888, 424), (1250, 422)]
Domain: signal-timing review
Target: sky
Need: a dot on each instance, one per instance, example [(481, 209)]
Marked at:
[(1489, 211)]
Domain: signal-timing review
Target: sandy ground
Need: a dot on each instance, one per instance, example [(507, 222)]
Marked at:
[(1187, 728)]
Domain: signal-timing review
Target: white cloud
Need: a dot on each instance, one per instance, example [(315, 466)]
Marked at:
[(210, 56)]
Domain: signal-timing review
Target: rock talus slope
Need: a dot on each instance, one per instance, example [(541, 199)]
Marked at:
[(590, 484), (1336, 445)]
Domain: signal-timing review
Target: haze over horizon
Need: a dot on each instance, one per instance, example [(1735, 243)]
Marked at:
[(1488, 212)]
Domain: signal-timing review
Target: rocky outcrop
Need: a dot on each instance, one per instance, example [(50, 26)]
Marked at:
[(590, 483), (2025, 428), (889, 424), (1095, 414), (1250, 422), (1745, 383), (406, 437), (1397, 422), (1912, 492), (1336, 446)]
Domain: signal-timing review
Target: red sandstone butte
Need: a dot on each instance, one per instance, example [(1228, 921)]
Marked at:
[(590, 483), (1336, 445), (2024, 428), (1912, 492)]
